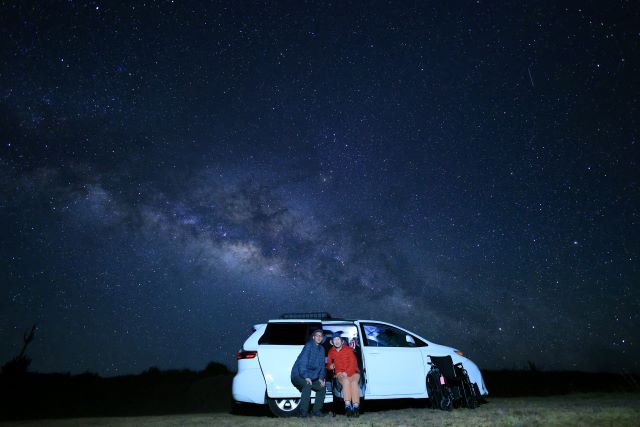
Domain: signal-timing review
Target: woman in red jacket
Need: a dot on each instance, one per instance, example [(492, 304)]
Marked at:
[(343, 363)]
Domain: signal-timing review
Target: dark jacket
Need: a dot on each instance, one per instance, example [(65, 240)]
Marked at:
[(310, 362)]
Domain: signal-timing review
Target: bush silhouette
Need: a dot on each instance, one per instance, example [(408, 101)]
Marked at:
[(20, 364), (215, 368)]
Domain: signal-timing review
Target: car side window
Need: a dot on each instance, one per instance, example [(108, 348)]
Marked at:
[(387, 336), (288, 333)]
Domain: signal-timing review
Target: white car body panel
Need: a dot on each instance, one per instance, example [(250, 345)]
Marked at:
[(276, 362), (394, 371), (248, 384), (251, 344)]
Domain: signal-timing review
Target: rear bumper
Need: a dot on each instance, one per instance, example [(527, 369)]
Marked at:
[(248, 384)]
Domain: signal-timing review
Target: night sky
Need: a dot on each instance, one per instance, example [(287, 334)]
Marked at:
[(173, 172)]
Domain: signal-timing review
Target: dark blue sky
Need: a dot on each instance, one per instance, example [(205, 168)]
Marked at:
[(175, 172)]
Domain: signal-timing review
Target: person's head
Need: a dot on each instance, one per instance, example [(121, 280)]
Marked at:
[(317, 336), (336, 340)]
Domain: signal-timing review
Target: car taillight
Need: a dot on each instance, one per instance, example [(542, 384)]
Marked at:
[(246, 355), (459, 353)]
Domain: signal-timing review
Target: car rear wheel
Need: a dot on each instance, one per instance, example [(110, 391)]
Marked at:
[(284, 407)]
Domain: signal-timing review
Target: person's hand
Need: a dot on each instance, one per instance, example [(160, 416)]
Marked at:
[(342, 375), (332, 367), (308, 380), (322, 383)]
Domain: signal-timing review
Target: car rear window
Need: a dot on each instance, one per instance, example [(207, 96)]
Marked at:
[(288, 333)]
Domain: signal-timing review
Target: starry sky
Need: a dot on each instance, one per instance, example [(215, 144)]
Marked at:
[(173, 172)]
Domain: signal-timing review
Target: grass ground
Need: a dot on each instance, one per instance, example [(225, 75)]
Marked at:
[(620, 409)]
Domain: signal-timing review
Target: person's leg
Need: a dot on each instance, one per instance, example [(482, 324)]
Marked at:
[(346, 389), (320, 393), (354, 381), (305, 388), (355, 394)]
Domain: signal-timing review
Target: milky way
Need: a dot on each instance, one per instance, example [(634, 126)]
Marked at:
[(174, 173)]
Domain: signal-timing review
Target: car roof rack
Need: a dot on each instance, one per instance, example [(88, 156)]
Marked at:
[(320, 315)]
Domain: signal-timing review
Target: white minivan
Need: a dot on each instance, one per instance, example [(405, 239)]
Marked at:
[(394, 361)]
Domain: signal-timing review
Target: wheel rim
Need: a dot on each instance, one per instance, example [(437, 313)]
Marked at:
[(287, 405)]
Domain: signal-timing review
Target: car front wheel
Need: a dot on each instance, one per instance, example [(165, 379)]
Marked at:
[(284, 407)]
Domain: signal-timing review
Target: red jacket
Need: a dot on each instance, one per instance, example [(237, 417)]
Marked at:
[(344, 360)]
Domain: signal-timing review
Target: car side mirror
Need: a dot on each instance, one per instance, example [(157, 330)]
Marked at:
[(410, 341)]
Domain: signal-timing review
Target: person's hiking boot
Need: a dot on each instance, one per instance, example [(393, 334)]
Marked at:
[(318, 414), (356, 412), (348, 412)]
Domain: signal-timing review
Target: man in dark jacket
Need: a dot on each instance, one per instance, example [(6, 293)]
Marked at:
[(308, 374)]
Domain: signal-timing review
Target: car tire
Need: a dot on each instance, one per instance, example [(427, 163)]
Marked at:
[(284, 407)]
